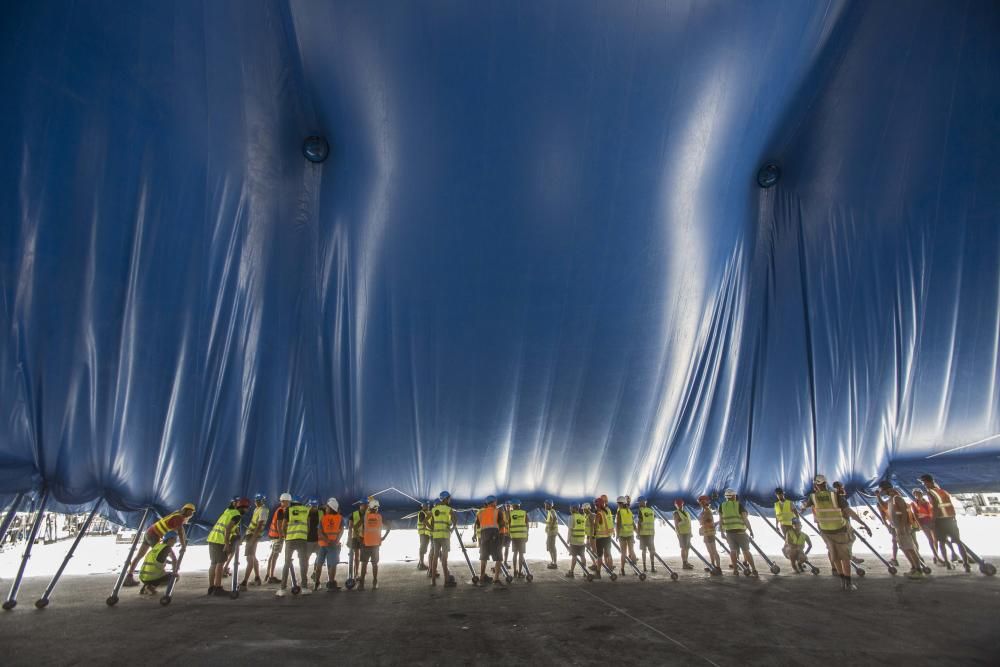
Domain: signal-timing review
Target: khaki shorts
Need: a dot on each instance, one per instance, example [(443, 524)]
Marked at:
[(684, 539), (646, 541), (369, 555), (442, 545), (519, 544), (904, 540), (623, 541), (250, 550), (838, 544), (738, 539), (276, 545)]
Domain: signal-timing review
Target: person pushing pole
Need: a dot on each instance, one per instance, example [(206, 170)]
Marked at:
[(831, 511)]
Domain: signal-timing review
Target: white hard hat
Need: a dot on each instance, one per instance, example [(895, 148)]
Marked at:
[(819, 479), (730, 493), (285, 496), (333, 504), (373, 504), (585, 506), (622, 499)]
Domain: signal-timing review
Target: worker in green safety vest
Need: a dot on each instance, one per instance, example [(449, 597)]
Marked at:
[(442, 522), (737, 529), (784, 511), (647, 533), (832, 512), (222, 540), (295, 528), (797, 547), (682, 522), (576, 537), (153, 571), (625, 531), (518, 536), (551, 530)]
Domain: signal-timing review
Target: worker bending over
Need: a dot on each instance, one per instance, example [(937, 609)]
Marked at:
[(175, 521), (154, 572), (797, 547), (682, 522), (223, 540), (832, 512)]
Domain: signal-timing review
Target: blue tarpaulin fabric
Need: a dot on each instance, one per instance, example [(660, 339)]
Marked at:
[(537, 261)]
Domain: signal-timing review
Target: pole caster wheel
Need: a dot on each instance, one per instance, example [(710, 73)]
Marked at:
[(589, 577), (9, 604), (642, 576), (111, 601), (893, 570), (775, 569), (509, 579), (861, 571), (234, 595), (926, 569), (673, 576), (529, 578), (165, 600), (350, 584), (296, 590), (41, 603), (614, 577), (815, 570), (989, 569), (475, 579)]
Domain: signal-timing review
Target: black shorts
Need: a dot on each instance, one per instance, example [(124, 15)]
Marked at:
[(946, 527), (505, 539), (489, 545), (603, 547)]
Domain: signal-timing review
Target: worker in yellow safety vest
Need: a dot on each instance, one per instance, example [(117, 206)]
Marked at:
[(222, 540), (706, 528), (254, 532), (647, 533), (682, 522), (945, 523), (784, 511), (174, 521), (591, 543), (295, 529), (604, 526), (443, 521), (518, 536), (737, 530), (797, 547), (424, 532), (576, 537), (277, 537), (551, 530), (625, 531), (831, 512), (153, 571), (371, 539), (356, 529)]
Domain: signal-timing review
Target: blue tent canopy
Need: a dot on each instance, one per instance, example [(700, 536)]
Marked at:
[(537, 260)]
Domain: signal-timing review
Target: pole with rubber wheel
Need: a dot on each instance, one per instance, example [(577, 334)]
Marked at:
[(771, 564), (468, 561), (641, 574), (604, 566), (587, 575), (168, 594), (234, 586), (708, 564), (773, 526), (744, 567), (923, 565), (296, 589), (43, 601), (986, 568), (527, 572), (860, 571), (11, 600), (889, 566), (127, 568), (11, 514), (506, 573)]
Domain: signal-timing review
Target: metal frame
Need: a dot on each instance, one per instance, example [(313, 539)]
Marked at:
[(112, 599), (11, 600), (43, 601)]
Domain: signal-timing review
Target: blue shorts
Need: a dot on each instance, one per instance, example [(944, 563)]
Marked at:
[(329, 554)]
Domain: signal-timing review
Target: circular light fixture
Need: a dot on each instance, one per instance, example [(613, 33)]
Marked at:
[(768, 175), (316, 149)]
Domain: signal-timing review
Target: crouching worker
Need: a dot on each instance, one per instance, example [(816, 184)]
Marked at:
[(797, 546), (154, 571)]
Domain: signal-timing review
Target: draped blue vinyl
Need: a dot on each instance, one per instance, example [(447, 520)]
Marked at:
[(536, 263)]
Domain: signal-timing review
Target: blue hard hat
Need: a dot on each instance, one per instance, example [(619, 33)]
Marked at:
[(259, 496), (314, 501), (640, 499), (235, 499), (169, 535), (444, 495), (515, 501), (491, 499), (363, 501), (549, 502)]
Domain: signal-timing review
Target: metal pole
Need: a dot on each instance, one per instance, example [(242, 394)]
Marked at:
[(169, 593), (9, 519), (234, 591), (11, 600), (43, 601), (858, 569), (600, 561), (759, 513), (468, 561), (112, 599), (725, 549), (642, 575), (697, 553)]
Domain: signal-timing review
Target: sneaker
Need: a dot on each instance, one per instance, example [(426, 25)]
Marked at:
[(280, 593), (130, 581), (652, 568), (220, 591), (273, 580), (569, 575), (850, 587), (211, 590), (306, 591), (687, 566), (915, 574), (361, 584), (256, 581), (551, 566), (243, 586)]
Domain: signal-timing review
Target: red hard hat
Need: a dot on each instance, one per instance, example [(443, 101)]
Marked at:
[(243, 503), (703, 499), (679, 502)]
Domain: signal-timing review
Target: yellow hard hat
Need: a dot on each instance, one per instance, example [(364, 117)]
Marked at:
[(189, 506)]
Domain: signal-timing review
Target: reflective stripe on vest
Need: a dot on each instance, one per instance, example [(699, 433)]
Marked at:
[(441, 515), (603, 523), (647, 521), (152, 569), (591, 520), (707, 521), (627, 528), (258, 518), (944, 508), (422, 528), (578, 530), (330, 526), (683, 522), (487, 517), (551, 523), (829, 516), (731, 518), (783, 512), (298, 523), (356, 524), (160, 527), (274, 530), (373, 529), (795, 539), (218, 534), (518, 525), (922, 510)]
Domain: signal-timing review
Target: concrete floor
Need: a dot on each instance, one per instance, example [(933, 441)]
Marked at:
[(951, 619)]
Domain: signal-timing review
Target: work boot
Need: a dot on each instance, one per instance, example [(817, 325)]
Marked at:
[(552, 566), (687, 566), (570, 575), (421, 566), (211, 590), (130, 581), (652, 568), (220, 591), (243, 586), (361, 584)]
